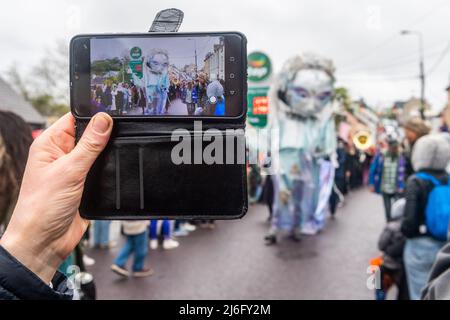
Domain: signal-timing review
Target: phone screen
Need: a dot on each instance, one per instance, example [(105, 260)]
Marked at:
[(142, 76)]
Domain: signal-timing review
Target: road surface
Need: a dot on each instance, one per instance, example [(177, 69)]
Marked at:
[(177, 107), (232, 262)]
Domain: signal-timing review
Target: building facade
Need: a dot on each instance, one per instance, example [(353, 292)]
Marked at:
[(214, 63)]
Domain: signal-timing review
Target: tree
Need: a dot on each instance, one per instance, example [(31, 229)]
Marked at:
[(343, 97), (100, 67), (47, 106), (45, 85)]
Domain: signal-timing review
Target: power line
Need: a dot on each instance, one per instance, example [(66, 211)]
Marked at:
[(406, 59), (208, 44), (369, 53), (439, 60), (392, 37), (392, 65), (379, 79)]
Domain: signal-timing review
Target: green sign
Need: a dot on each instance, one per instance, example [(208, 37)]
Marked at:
[(136, 67), (135, 53), (259, 66), (258, 106)]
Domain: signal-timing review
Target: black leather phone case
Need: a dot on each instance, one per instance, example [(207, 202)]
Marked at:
[(135, 177)]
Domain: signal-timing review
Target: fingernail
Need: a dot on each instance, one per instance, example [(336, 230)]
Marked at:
[(100, 123)]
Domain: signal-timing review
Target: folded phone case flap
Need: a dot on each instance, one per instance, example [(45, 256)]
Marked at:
[(194, 174)]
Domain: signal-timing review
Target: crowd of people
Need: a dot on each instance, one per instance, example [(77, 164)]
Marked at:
[(412, 178), (140, 236), (200, 96), (408, 168), (405, 166)]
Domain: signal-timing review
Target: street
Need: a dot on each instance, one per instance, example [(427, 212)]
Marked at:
[(177, 107), (232, 261)]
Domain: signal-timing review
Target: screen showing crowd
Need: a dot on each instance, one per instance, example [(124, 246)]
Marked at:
[(177, 76)]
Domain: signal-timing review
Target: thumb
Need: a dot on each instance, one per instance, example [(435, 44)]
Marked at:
[(92, 142)]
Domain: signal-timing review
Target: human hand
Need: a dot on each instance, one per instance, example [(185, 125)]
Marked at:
[(46, 226)]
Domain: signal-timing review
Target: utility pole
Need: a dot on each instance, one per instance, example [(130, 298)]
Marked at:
[(195, 52), (123, 70), (196, 66), (422, 70), (422, 81)]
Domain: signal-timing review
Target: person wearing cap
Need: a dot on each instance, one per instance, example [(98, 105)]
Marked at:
[(387, 174), (415, 128)]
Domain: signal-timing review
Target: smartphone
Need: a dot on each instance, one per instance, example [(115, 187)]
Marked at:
[(159, 75)]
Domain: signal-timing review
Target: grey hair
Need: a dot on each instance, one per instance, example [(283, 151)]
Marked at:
[(304, 61), (432, 151), (154, 52)]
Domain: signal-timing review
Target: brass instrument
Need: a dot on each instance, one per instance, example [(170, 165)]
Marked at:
[(363, 139)]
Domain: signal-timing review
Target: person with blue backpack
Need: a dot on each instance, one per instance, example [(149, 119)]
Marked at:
[(427, 210)]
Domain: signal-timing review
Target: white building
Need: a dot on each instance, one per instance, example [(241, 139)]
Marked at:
[(215, 62)]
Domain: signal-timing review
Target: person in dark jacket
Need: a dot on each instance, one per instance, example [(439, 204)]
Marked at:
[(201, 86), (431, 154), (119, 100), (99, 93), (134, 96), (438, 287), (340, 178), (141, 100), (190, 98), (18, 283), (46, 226), (108, 98), (354, 168)]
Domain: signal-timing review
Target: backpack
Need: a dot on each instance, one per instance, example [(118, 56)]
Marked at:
[(437, 212)]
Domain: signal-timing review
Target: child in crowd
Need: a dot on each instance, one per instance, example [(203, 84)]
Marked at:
[(392, 243)]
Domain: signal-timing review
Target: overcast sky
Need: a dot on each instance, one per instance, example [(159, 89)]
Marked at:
[(181, 50), (361, 36)]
